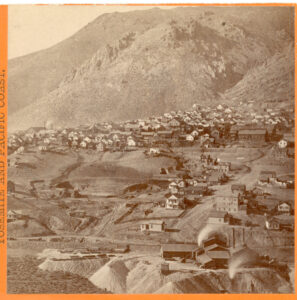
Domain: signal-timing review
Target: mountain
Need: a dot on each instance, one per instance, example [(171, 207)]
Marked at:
[(141, 63), (271, 81)]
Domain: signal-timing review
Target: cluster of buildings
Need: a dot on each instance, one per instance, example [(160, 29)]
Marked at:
[(214, 253), (204, 126), (207, 126), (229, 210), (225, 208), (280, 223), (181, 191), (269, 178)]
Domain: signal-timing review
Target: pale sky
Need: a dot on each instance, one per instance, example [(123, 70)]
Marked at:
[(35, 27)]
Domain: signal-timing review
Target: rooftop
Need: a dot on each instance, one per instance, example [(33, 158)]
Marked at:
[(179, 247), (252, 131), (158, 222), (203, 258)]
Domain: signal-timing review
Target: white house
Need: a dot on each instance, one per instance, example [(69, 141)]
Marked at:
[(173, 202), (100, 147), (194, 133), (20, 150), (115, 137), (153, 225), (190, 138), (42, 148), (87, 139), (181, 184), (83, 144), (131, 142), (141, 123), (46, 141), (154, 151), (272, 224), (284, 207)]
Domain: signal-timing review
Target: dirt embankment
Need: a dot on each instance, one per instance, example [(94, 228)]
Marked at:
[(65, 173), (141, 274), (248, 281), (82, 267), (27, 228)]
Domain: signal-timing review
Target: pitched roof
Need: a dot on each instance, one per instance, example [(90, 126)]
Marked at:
[(284, 202), (214, 246), (213, 240), (203, 258), (179, 247), (252, 131), (165, 132)]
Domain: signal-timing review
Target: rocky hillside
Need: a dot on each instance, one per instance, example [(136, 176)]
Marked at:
[(271, 81), (154, 61)]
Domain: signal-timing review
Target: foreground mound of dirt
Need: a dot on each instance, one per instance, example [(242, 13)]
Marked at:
[(111, 277), (82, 267), (25, 277), (170, 288), (142, 275), (247, 281), (144, 278)]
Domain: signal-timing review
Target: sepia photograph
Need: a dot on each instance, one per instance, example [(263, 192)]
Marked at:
[(151, 149)]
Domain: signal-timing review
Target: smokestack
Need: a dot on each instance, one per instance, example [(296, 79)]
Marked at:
[(231, 242), (233, 237)]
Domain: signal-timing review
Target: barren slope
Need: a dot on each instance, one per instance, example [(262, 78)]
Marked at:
[(156, 62)]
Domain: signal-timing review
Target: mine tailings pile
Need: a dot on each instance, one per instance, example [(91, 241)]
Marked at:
[(143, 275)]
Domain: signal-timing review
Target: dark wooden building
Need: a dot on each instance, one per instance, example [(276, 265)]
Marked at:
[(186, 251)]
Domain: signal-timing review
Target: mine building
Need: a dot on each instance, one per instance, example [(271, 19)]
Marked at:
[(185, 251), (213, 254)]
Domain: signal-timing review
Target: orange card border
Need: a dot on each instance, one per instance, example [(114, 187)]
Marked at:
[(3, 250)]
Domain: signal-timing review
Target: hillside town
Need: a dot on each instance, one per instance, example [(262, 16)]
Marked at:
[(209, 127), (151, 150), (197, 141)]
